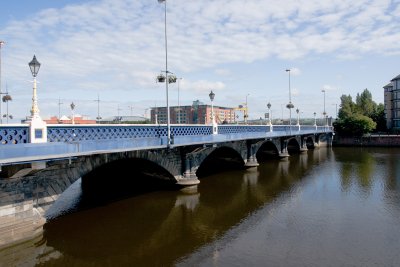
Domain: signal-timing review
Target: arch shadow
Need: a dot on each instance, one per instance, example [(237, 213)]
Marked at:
[(220, 160)]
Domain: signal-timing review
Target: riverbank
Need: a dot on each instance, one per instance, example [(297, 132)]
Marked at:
[(370, 140)]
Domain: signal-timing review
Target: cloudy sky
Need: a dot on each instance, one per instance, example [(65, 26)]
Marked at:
[(114, 49)]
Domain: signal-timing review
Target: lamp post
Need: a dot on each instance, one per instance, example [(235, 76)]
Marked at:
[(269, 114), (98, 118), (324, 113), (34, 65), (246, 114), (290, 105), (315, 119), (59, 109), (72, 110), (166, 71), (298, 117), (1, 43), (37, 128), (213, 122)]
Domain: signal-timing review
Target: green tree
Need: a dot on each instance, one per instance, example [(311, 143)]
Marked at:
[(365, 104), (347, 107), (379, 117), (354, 125)]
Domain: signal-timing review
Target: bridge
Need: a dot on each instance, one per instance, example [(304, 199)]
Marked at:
[(36, 167)]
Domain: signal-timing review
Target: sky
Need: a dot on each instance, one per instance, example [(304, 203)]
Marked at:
[(113, 50)]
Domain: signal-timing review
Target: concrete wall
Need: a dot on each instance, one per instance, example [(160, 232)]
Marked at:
[(378, 141)]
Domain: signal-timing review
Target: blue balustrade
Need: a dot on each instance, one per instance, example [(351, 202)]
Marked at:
[(230, 129), (11, 135), (18, 134)]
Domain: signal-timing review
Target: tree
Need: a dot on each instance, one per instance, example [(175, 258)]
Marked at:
[(347, 107), (365, 104), (361, 117), (355, 125)]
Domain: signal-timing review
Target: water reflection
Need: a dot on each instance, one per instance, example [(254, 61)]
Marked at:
[(340, 205)]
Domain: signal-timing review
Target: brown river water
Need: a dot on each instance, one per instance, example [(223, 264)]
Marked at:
[(326, 207)]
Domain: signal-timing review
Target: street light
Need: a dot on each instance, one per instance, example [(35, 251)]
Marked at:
[(298, 117), (325, 117), (166, 72), (34, 65), (72, 110), (213, 122), (269, 114), (290, 105), (246, 114), (315, 119), (98, 118), (1, 43)]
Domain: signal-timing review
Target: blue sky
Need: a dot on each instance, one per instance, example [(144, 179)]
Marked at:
[(115, 49)]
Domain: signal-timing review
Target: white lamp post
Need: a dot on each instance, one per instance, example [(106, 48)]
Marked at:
[(298, 117), (315, 119), (38, 128), (34, 65), (269, 117), (213, 122)]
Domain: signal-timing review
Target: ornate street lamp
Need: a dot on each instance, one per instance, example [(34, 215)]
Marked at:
[(34, 65), (72, 110), (213, 122), (315, 119), (38, 128), (269, 114)]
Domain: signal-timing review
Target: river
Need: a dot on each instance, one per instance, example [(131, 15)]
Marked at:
[(326, 207)]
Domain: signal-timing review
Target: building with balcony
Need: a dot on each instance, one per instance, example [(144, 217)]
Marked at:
[(197, 113), (392, 103)]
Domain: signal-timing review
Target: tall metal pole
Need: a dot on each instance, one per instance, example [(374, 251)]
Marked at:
[(166, 72), (98, 118), (1, 43), (325, 118), (290, 105)]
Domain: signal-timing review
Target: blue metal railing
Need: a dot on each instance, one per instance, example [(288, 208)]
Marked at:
[(19, 134), (14, 134)]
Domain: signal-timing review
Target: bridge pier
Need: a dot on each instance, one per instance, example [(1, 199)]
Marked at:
[(251, 161), (303, 144), (189, 174), (283, 153)]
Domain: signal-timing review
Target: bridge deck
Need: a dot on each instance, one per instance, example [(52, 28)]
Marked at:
[(75, 145)]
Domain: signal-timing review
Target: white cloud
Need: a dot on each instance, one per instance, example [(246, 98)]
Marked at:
[(120, 43)]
